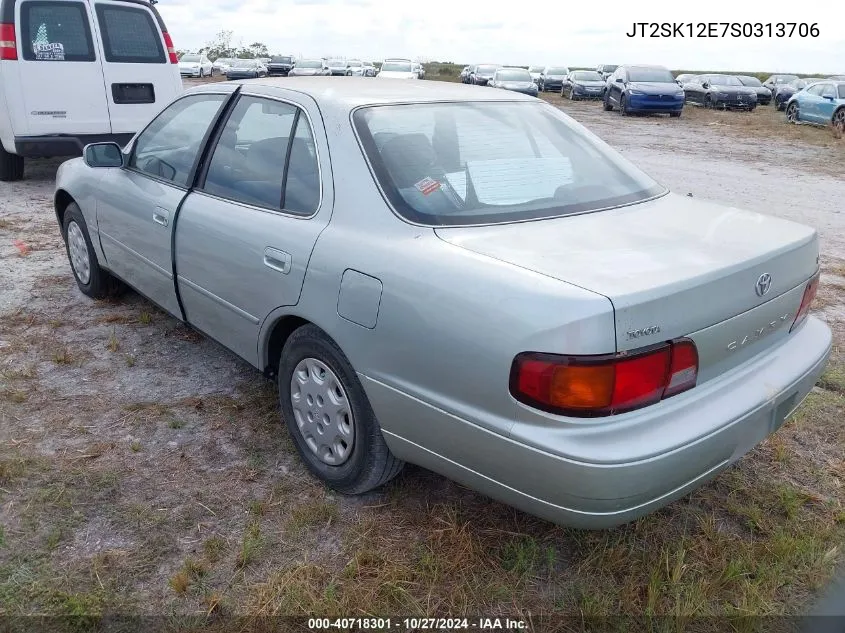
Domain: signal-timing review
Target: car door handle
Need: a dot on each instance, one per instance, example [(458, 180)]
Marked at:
[(277, 260), (161, 216)]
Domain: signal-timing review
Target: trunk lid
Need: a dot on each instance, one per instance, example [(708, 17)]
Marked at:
[(671, 267)]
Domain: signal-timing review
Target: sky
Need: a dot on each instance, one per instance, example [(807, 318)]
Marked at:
[(522, 33)]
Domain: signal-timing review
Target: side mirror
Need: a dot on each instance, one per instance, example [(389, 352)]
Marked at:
[(103, 155), (619, 80), (829, 97)]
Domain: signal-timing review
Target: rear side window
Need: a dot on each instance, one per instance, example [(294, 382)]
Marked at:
[(130, 35), (261, 159), (56, 31)]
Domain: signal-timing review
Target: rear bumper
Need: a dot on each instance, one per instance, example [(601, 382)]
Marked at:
[(729, 415), (64, 145)]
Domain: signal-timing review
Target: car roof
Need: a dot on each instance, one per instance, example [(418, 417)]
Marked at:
[(357, 91), (649, 66)]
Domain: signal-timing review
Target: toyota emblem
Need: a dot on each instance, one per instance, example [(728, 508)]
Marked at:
[(764, 284)]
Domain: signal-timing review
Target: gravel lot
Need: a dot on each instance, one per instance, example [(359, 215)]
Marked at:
[(143, 468)]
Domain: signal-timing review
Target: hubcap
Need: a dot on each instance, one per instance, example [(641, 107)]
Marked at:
[(78, 251), (792, 114), (839, 119), (322, 411)]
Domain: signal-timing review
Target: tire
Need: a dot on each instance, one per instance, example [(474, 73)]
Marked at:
[(623, 106), (98, 283), (838, 120), (675, 115), (708, 103), (571, 95), (368, 464), (211, 72), (608, 107), (11, 166), (792, 113)]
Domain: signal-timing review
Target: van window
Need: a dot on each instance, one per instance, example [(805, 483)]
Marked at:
[(56, 31), (130, 36)]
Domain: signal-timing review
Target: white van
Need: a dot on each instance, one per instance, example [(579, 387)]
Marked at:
[(74, 72)]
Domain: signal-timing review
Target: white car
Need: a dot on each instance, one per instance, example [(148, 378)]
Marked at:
[(92, 72), (397, 70), (222, 65), (535, 72), (354, 68), (195, 65)]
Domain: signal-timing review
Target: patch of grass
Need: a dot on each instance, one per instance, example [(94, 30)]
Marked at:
[(213, 549), (135, 446), (792, 500), (180, 581), (521, 555), (131, 360), (316, 513), (23, 373), (145, 318), (250, 546), (2, 535), (16, 396), (833, 379), (113, 344), (175, 423), (62, 355)]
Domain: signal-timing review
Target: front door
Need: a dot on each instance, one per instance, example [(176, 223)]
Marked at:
[(138, 203), (245, 236)]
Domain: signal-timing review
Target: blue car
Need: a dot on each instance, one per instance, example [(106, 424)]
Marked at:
[(821, 103), (643, 89)]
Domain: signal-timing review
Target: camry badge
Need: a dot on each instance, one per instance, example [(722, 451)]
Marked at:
[(764, 284)]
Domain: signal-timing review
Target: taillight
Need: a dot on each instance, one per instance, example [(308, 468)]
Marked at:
[(591, 386), (806, 301), (171, 51), (8, 45)]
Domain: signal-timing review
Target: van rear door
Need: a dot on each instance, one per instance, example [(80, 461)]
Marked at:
[(139, 64), (58, 71)]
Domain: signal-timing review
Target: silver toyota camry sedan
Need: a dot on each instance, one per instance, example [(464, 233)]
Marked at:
[(461, 278)]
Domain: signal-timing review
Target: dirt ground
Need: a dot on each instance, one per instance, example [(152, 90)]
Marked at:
[(144, 469)]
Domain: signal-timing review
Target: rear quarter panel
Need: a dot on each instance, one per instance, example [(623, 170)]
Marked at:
[(449, 321)]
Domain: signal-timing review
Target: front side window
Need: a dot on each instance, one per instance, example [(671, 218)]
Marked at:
[(815, 90), (169, 147), (259, 162), (130, 35), (476, 163), (828, 91), (56, 32)]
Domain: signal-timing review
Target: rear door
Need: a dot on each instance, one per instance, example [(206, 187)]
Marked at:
[(59, 71), (140, 76)]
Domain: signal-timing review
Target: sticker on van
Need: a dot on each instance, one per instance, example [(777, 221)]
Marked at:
[(49, 52)]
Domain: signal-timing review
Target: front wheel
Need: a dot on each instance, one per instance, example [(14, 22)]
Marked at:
[(92, 280), (329, 417), (675, 115), (623, 106), (792, 114), (608, 107)]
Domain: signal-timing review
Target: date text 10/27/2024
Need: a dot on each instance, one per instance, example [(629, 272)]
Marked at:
[(723, 29), (417, 624)]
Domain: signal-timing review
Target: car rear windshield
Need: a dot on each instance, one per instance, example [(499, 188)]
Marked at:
[(586, 75), (557, 70), (752, 82), (396, 67), (650, 75), (130, 35), (448, 164), (513, 75), (309, 63), (56, 32)]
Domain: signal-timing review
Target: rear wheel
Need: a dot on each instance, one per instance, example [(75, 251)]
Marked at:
[(329, 416), (792, 114), (708, 102), (11, 166), (838, 120)]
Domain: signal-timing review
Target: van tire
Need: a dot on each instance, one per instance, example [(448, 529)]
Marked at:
[(11, 166)]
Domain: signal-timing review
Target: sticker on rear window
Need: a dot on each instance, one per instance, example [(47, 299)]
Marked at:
[(54, 52), (427, 185)]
